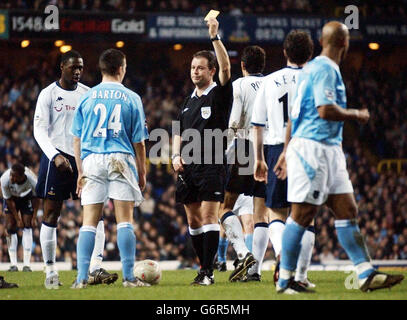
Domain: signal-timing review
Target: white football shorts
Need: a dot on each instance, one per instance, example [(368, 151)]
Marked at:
[(243, 205), (112, 175), (315, 170)]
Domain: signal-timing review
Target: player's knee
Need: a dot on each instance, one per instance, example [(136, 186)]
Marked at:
[(249, 228), (228, 202), (11, 229), (27, 222), (304, 216), (51, 219)]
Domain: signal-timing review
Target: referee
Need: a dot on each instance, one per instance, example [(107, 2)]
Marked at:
[(200, 186)]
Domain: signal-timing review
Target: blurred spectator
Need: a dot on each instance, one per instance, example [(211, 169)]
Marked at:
[(379, 8)]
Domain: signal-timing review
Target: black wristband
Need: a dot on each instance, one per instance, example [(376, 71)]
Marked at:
[(217, 37)]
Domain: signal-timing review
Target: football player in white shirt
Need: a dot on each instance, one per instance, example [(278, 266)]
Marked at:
[(273, 104), (58, 173), (21, 206), (240, 174)]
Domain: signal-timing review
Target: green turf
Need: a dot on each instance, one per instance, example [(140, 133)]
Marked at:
[(175, 286)]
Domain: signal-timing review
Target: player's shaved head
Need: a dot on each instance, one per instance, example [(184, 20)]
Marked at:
[(334, 34)]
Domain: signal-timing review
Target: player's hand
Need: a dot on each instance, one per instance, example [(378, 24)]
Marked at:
[(62, 164), (363, 115), (79, 184), (260, 171), (280, 169), (213, 26), (178, 164), (142, 181)]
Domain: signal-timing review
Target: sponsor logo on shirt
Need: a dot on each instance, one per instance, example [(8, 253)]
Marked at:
[(59, 104)]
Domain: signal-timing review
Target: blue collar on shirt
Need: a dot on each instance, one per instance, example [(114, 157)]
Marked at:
[(57, 83)]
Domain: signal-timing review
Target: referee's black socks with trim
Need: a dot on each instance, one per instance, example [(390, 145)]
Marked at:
[(210, 245), (198, 244)]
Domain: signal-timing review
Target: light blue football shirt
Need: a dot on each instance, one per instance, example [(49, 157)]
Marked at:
[(109, 118), (320, 83)]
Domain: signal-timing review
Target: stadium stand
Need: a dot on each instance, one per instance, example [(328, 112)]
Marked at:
[(374, 9)]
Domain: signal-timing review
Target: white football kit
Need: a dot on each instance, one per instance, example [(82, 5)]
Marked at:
[(53, 118), (18, 190), (316, 165), (273, 104)]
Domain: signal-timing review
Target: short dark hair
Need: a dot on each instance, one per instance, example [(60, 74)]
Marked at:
[(110, 61), (208, 55), (299, 46), (70, 54), (19, 168), (254, 58)]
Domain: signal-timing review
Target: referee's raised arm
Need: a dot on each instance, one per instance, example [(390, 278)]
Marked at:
[(220, 52)]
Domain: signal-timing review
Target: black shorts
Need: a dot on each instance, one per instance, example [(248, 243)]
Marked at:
[(276, 189), (239, 183), (23, 205), (201, 182), (55, 185)]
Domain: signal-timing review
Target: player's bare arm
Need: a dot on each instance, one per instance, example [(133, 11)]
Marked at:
[(260, 166), (177, 161), (140, 150), (220, 52), (280, 169), (78, 161), (334, 112)]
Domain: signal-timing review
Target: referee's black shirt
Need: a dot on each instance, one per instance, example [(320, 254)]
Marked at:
[(209, 111)]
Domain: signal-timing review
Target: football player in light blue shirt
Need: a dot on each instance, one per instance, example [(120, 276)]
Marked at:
[(320, 84), (317, 117), (109, 132), (109, 119)]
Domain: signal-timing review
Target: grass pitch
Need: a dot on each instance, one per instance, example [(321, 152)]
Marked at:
[(175, 285)]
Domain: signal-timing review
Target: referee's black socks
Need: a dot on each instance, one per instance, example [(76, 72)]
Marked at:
[(205, 241)]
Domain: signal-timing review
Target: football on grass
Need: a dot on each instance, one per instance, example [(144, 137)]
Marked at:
[(148, 271)]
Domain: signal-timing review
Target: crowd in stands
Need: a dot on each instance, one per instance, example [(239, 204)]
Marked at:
[(160, 223), (376, 9)]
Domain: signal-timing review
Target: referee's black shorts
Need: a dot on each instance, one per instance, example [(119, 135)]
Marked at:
[(239, 183), (201, 182)]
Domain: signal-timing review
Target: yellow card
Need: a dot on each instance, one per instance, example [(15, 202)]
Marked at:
[(212, 14)]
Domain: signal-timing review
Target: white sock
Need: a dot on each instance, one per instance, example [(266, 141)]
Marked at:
[(27, 245), (48, 242), (304, 259), (276, 228), (260, 242), (234, 232), (97, 254), (12, 243)]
